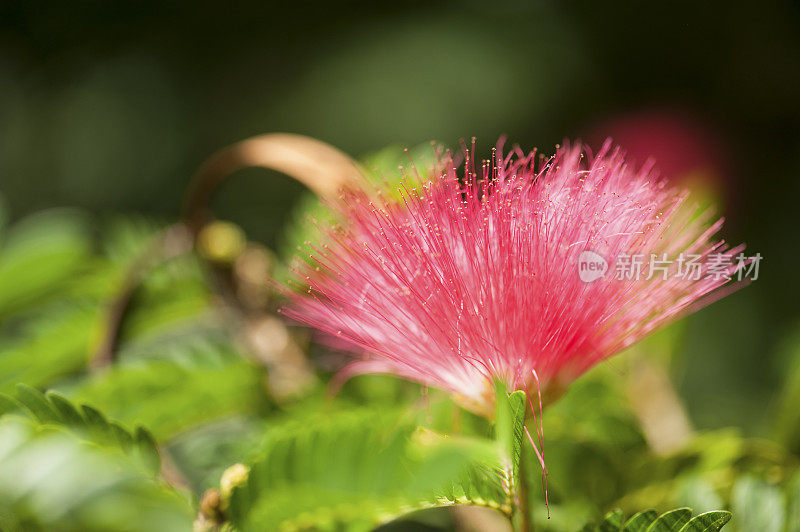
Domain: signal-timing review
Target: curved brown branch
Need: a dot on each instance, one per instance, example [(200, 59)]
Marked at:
[(319, 166)]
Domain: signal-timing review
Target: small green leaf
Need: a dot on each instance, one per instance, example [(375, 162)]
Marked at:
[(37, 404), (84, 487), (363, 467), (612, 522), (93, 416), (9, 404), (641, 521), (147, 449), (671, 521), (86, 422), (69, 414), (97, 423), (707, 522), (122, 437), (510, 425)]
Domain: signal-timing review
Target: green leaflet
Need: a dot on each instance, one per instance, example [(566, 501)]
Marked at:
[(707, 522), (677, 520), (641, 521), (510, 426), (672, 520), (612, 522), (52, 409), (357, 469), (53, 480)]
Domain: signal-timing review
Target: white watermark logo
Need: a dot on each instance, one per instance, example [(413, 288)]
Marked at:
[(591, 266), (691, 267)]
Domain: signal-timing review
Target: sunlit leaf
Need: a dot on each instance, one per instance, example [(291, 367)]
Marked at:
[(363, 467), (707, 522), (51, 480), (53, 409), (641, 521)]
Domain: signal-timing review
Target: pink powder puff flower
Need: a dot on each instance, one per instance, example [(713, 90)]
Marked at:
[(458, 281)]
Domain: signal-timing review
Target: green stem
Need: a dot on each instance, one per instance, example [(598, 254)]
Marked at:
[(523, 518)]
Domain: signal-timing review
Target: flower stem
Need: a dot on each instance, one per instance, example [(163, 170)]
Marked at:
[(523, 519)]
